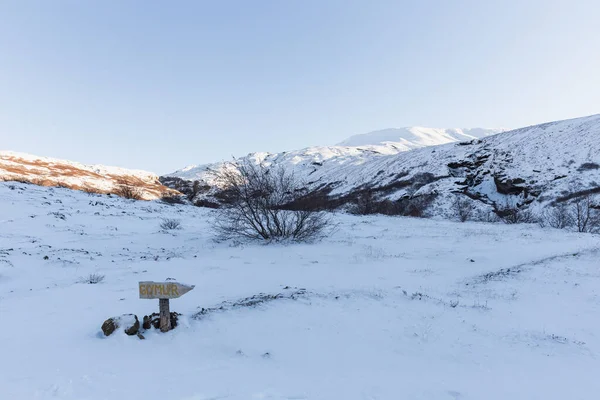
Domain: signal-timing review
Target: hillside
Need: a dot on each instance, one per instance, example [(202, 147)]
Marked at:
[(47, 171), (529, 167), (416, 137), (384, 308)]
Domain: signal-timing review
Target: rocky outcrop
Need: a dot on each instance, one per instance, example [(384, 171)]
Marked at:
[(129, 323), (507, 186)]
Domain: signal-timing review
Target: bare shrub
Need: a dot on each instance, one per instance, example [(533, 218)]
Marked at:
[(128, 192), (92, 279), (588, 166), (586, 217), (413, 206), (257, 204), (513, 214), (365, 204), (487, 216), (206, 203), (91, 190), (170, 198), (170, 224), (559, 217), (463, 208), (417, 206)]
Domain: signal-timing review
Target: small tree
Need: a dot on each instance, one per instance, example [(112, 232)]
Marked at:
[(559, 217), (586, 217), (463, 209), (259, 204), (511, 213)]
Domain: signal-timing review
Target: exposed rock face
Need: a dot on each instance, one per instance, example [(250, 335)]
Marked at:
[(509, 186), (128, 322)]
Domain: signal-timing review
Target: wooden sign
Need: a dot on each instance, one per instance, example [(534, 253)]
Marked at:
[(163, 291)]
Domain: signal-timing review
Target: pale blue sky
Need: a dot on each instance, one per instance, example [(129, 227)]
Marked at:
[(158, 85)]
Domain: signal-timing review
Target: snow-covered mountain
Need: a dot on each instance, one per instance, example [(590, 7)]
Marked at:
[(415, 137), (356, 149), (47, 171), (533, 165)]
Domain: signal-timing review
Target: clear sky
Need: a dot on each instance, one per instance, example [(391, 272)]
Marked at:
[(158, 85)]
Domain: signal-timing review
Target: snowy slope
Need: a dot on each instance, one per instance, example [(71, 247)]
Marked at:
[(53, 172), (394, 308), (356, 150), (533, 165), (415, 137)]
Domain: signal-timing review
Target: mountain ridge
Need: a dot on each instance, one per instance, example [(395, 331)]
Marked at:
[(418, 136), (531, 167)]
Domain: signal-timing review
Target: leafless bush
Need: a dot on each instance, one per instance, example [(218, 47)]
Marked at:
[(588, 166), (586, 217), (417, 206), (170, 198), (170, 224), (513, 214), (257, 203), (365, 204), (463, 208), (414, 206), (91, 190), (128, 192), (487, 216), (92, 279), (559, 217)]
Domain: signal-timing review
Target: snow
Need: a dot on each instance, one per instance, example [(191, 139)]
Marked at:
[(418, 136), (394, 307), (548, 157), (356, 149)]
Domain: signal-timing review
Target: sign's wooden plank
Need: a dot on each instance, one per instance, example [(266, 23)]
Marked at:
[(163, 290)]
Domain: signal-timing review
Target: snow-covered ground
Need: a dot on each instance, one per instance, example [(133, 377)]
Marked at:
[(394, 308)]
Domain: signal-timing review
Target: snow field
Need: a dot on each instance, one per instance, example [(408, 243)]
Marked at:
[(394, 307)]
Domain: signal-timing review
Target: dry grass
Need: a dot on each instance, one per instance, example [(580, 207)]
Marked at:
[(39, 172)]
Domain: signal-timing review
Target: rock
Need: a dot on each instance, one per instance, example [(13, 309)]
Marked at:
[(109, 326), (153, 320), (510, 186), (129, 323)]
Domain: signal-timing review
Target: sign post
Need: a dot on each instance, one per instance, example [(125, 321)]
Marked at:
[(163, 291)]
